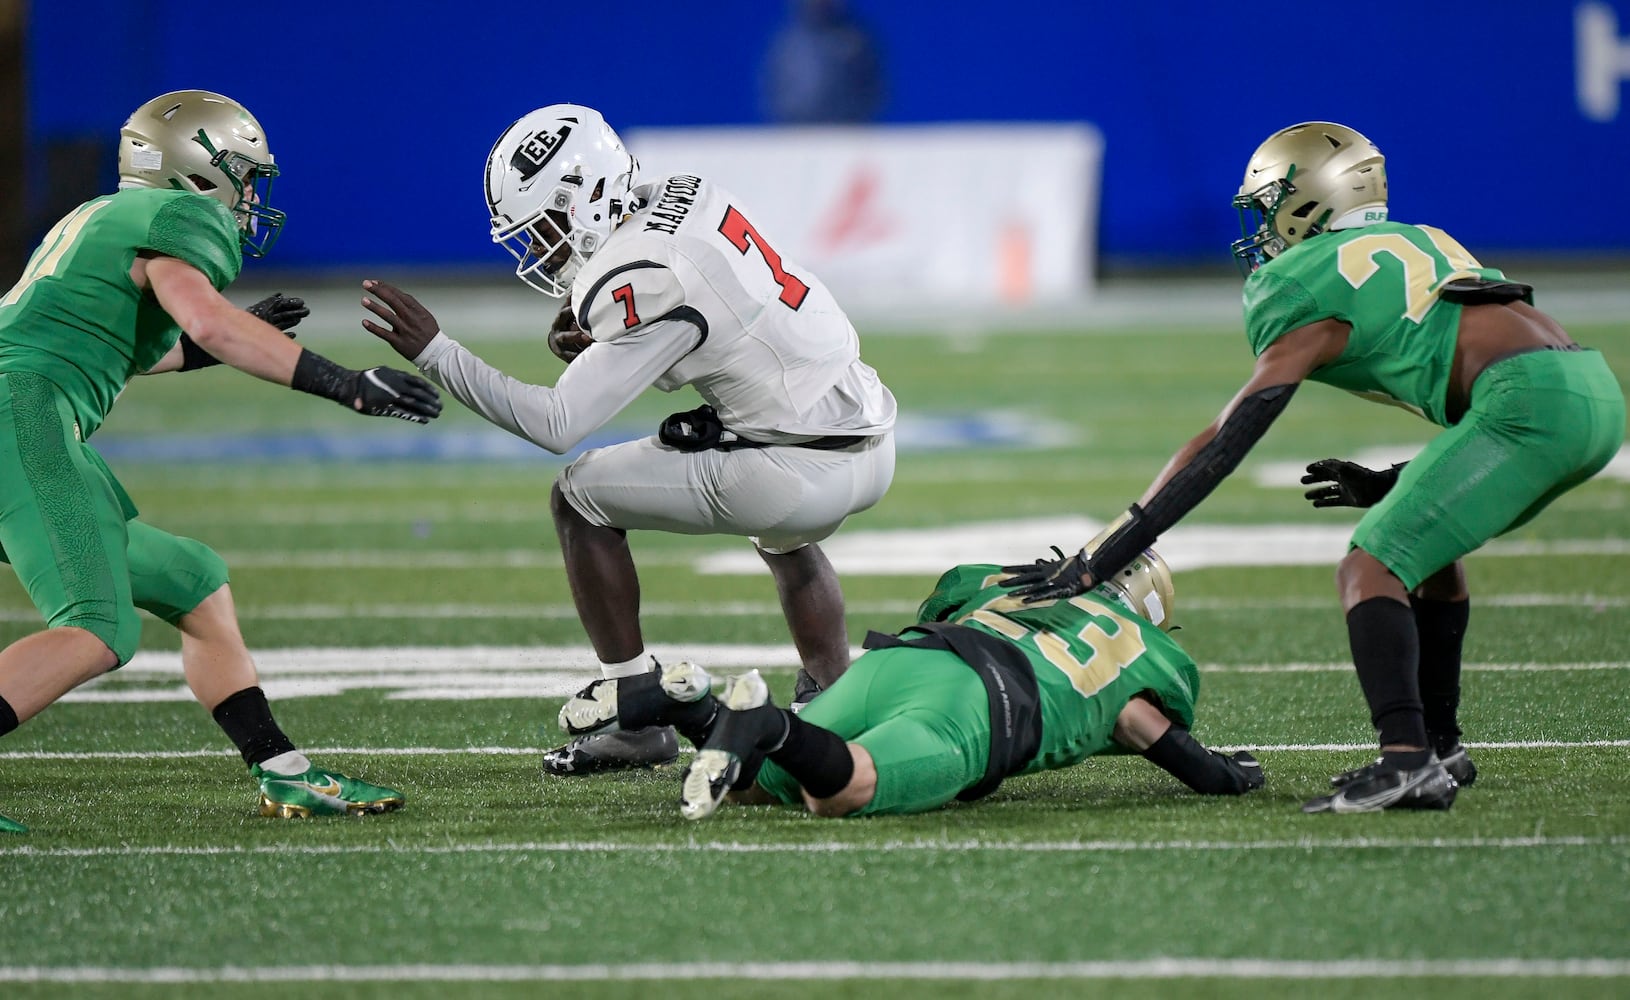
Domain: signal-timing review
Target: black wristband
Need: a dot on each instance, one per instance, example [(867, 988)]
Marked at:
[(1121, 547), (194, 357), (319, 376)]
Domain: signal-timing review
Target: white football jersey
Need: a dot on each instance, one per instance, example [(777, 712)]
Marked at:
[(777, 358)]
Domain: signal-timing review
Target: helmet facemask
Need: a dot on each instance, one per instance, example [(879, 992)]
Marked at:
[(258, 223), (1259, 242)]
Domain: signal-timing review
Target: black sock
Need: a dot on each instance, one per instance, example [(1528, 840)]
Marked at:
[(1386, 653), (248, 723), (1406, 760), (8, 717), (818, 759), (1441, 626), (642, 703), (693, 720)]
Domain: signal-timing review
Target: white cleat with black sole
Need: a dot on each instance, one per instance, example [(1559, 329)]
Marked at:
[(717, 767)]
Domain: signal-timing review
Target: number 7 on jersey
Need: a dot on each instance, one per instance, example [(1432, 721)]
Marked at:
[(743, 236)]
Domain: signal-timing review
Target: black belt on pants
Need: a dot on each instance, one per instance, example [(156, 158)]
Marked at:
[(1010, 685), (702, 430)]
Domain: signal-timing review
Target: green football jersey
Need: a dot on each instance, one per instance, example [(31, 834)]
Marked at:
[(1383, 279), (75, 317), (1091, 655)]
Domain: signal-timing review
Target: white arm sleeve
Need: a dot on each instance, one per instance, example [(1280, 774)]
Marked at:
[(594, 388)]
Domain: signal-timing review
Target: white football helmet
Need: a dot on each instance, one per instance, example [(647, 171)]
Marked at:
[(558, 183), (199, 141)]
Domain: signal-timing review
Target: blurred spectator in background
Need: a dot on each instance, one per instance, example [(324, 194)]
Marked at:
[(823, 67)]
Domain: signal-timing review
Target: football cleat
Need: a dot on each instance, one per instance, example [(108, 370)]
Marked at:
[(11, 826), (706, 782), (1380, 786), (618, 750), (804, 690), (1454, 759), (321, 793), (1459, 764), (735, 747)]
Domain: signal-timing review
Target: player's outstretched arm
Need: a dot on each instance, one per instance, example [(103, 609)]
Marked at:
[(1142, 727), (247, 343), (282, 311), (1200, 465)]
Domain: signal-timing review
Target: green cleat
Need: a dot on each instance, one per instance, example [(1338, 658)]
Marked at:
[(321, 793), (11, 826)]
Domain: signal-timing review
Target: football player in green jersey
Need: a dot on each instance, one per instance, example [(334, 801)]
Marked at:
[(983, 686), (1401, 314), (130, 283)]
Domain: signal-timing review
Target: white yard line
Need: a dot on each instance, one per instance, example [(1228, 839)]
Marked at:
[(689, 845), (1156, 968), (525, 751), (560, 611), (466, 673)]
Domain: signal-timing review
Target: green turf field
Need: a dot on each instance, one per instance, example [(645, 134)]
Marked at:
[(377, 592)]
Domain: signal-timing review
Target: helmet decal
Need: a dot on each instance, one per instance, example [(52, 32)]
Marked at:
[(535, 153)]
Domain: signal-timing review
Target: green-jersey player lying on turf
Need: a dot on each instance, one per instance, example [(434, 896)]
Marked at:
[(981, 687)]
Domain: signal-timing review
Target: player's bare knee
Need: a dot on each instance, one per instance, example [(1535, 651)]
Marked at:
[(560, 508), (95, 651), (1447, 584), (856, 795), (1361, 576)]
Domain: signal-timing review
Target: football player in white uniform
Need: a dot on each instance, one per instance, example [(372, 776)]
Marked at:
[(669, 283)]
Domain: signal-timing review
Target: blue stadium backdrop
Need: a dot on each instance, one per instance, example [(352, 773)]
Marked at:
[(1505, 121)]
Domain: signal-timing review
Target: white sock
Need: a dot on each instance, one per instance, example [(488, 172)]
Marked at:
[(640, 664), (286, 764)]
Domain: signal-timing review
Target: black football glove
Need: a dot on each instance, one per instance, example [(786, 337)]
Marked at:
[(1047, 579), (1348, 484), (1244, 769), (282, 311), (386, 392)]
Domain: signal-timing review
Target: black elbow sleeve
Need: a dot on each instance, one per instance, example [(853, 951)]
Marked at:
[(1221, 456), (1192, 483), (1205, 771)]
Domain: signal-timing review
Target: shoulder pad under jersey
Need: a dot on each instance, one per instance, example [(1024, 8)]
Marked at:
[(631, 295)]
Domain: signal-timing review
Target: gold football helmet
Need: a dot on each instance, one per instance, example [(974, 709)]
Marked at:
[(198, 141), (1145, 585), (1304, 180)]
